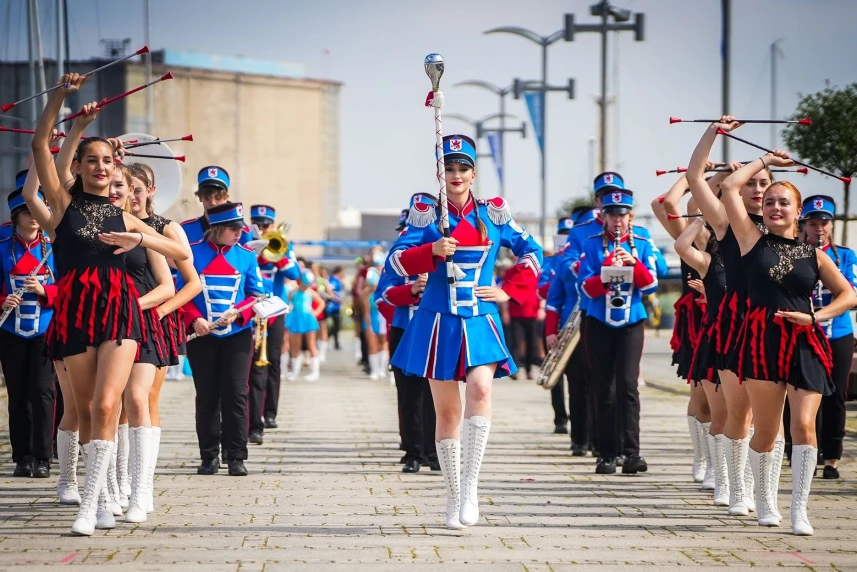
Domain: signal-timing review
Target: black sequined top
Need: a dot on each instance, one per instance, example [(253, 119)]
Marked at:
[(715, 280), (736, 281), (85, 218), (157, 222), (781, 274)]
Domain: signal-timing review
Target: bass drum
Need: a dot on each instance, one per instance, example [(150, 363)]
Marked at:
[(168, 172)]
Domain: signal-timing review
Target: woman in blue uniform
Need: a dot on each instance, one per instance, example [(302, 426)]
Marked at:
[(614, 328), (818, 212), (221, 354), (29, 376), (456, 334), (302, 321), (374, 323)]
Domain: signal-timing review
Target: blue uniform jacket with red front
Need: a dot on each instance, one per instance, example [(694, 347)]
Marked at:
[(452, 329), (195, 229), (840, 325), (396, 291), (230, 277), (33, 314)]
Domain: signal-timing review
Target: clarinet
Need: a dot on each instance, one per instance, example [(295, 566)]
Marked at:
[(616, 300), (819, 287), (225, 317), (20, 291)]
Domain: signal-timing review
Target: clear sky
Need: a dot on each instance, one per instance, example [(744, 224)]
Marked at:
[(377, 49)]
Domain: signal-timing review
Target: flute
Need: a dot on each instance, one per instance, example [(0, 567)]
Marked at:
[(227, 315), (20, 291)]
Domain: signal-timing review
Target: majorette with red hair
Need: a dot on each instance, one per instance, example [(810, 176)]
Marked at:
[(456, 333)]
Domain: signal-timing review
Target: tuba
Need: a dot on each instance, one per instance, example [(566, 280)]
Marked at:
[(278, 244)]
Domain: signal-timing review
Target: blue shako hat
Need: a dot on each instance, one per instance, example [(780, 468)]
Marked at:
[(818, 206), (265, 213), (421, 197), (459, 149), (307, 277), (608, 181), (212, 176), (618, 202), (20, 179), (230, 214), (16, 201), (564, 225), (581, 214)]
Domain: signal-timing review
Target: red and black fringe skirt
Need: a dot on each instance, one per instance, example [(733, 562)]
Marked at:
[(774, 349), (688, 318), (174, 336), (730, 318), (703, 366), (153, 348), (93, 306)]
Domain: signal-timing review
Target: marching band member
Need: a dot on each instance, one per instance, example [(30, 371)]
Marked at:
[(732, 447), (524, 328), (818, 212), (781, 340), (464, 310), (417, 418), (97, 304), (221, 354), (546, 278), (334, 307), (265, 380), (374, 323), (302, 323), (212, 190), (29, 377), (614, 330)]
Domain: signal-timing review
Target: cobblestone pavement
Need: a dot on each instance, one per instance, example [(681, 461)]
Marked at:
[(325, 492)]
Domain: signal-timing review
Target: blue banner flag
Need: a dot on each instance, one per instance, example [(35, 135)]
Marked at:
[(535, 102), (495, 144)]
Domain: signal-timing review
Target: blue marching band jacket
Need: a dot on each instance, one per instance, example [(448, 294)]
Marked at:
[(275, 274), (840, 325), (395, 290), (452, 329), (18, 260)]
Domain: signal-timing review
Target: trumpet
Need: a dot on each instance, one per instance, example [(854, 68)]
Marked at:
[(616, 300), (262, 341), (20, 291), (278, 244)]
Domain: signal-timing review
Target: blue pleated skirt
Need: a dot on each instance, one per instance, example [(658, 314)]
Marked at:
[(300, 322), (443, 346)]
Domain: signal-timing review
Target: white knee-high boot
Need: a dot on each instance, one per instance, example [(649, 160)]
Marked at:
[(122, 465), (475, 437), (804, 459), (735, 461), (762, 464), (153, 462), (708, 451), (750, 490), (97, 458), (778, 453), (721, 479), (698, 468), (297, 362), (114, 497), (141, 438), (67, 451), (313, 369), (449, 458)]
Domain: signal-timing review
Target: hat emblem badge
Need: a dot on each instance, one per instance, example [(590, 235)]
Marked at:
[(455, 144), (263, 210), (616, 197), (608, 179), (212, 172), (818, 203), (239, 210)]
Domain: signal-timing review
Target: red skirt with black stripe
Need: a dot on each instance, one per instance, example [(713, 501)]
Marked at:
[(688, 320), (175, 336), (730, 319)]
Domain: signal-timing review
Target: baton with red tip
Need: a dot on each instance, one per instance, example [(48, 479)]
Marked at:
[(106, 101), (805, 121), (135, 144), (178, 158)]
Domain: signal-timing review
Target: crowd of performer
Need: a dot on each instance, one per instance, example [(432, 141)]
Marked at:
[(104, 294)]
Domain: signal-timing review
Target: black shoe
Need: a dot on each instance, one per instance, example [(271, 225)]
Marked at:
[(605, 467), (411, 466), (256, 437), (830, 472), (434, 464), (561, 429), (23, 468), (208, 467), (634, 464), (577, 450), (42, 469), (237, 468), (620, 460), (270, 422)]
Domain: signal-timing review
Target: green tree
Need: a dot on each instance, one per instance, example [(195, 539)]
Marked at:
[(565, 208), (831, 141)]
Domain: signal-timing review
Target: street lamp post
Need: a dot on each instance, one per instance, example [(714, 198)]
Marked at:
[(481, 130), (544, 42), (620, 16)]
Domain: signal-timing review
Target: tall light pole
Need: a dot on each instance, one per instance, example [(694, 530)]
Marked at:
[(620, 16), (481, 130), (544, 42), (502, 130)]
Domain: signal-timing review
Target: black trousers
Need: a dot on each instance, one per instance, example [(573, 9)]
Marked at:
[(221, 368), (832, 410), (416, 409), (30, 385), (615, 355), (525, 342), (335, 326), (276, 333)]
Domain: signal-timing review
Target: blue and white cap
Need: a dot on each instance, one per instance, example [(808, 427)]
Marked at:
[(20, 179), (618, 202), (16, 200), (819, 206), (307, 278), (459, 149), (265, 213), (426, 198), (212, 176), (583, 213), (564, 225), (608, 181), (228, 213)]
